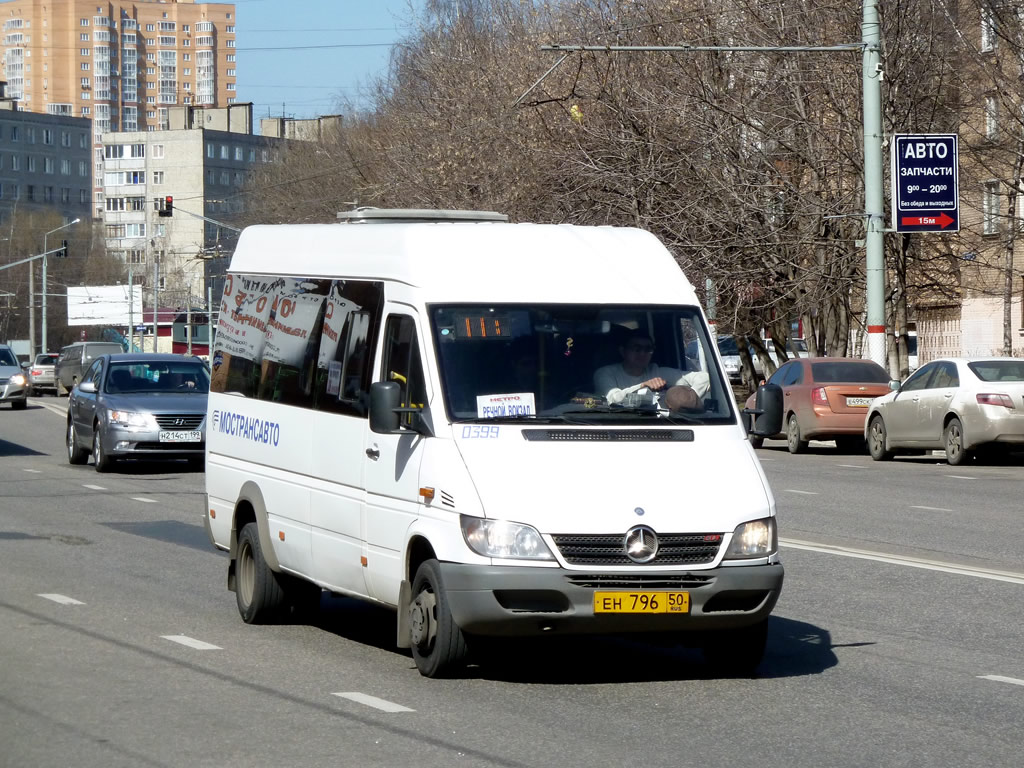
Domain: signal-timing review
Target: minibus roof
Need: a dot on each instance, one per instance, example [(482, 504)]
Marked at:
[(491, 261)]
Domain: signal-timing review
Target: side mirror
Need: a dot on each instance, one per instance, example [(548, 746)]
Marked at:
[(385, 399), (895, 385), (87, 386), (767, 411)]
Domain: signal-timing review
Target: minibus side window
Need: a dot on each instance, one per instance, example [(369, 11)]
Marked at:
[(402, 363), (350, 331)]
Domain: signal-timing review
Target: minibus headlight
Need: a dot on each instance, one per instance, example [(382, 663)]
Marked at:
[(505, 540), (758, 538), (18, 379)]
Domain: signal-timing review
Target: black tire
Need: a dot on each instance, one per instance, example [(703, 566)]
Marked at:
[(737, 652), (101, 461), (197, 463), (953, 440), (755, 441), (876, 440), (76, 453), (258, 591), (438, 645), (19, 405), (794, 441)]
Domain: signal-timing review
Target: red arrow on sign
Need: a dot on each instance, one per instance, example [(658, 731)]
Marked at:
[(942, 220)]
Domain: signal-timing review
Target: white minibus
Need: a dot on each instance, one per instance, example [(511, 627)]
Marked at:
[(496, 429)]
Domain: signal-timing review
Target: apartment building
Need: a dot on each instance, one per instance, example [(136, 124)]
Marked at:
[(122, 64), (200, 164), (45, 162)]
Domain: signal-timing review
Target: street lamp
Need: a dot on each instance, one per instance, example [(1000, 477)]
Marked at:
[(63, 226)]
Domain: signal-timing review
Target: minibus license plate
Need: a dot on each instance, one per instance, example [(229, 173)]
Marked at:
[(859, 402), (194, 436), (641, 602)]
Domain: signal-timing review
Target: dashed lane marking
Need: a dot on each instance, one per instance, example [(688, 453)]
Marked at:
[(930, 509), (93, 487), (144, 499), (961, 477), (62, 599), (805, 493), (852, 466), (33, 471), (191, 642), (373, 701), (1001, 679), (1012, 577)]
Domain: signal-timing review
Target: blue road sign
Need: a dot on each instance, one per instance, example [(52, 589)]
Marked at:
[(925, 183)]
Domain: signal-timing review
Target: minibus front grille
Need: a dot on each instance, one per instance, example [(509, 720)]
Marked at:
[(610, 549), (610, 435), (638, 581)]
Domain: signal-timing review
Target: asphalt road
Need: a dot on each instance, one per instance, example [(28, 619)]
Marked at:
[(898, 640)]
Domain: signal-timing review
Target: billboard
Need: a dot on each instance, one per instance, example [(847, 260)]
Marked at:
[(103, 305)]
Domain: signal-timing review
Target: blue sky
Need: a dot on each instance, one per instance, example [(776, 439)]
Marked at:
[(304, 80)]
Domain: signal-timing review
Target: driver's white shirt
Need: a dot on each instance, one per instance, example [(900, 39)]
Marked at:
[(617, 384)]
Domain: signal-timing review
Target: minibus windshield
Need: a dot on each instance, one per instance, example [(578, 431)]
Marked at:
[(579, 364)]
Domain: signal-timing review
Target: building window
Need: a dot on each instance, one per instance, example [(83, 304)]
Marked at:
[(138, 150), (158, 151), (229, 43), (84, 66), (231, 58), (224, 152), (15, 163), (114, 203), (65, 167), (83, 22), (158, 177), (31, 164), (49, 166), (991, 117), (988, 30), (230, 86), (186, 57), (990, 208), (150, 28), (83, 168), (47, 136)]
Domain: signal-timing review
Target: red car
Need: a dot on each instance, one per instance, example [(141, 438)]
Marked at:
[(826, 398)]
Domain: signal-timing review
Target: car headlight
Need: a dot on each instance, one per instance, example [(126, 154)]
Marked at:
[(131, 419), (18, 378), (505, 540), (758, 538)]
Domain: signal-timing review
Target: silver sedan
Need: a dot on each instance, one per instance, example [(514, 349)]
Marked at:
[(139, 406), (960, 405)]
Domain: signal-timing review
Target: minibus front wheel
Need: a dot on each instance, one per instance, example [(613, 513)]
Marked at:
[(438, 645), (258, 591)]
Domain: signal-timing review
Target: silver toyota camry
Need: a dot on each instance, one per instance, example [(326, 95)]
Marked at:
[(139, 406)]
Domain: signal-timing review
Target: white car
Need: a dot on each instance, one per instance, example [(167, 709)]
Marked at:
[(957, 404)]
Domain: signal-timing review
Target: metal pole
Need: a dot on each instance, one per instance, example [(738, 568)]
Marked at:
[(188, 322), (156, 283), (42, 342), (131, 315), (32, 309), (209, 325), (873, 203)]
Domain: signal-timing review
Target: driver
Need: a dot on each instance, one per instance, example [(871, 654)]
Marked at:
[(636, 372)]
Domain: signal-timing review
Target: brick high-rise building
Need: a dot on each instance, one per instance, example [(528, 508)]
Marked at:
[(120, 63)]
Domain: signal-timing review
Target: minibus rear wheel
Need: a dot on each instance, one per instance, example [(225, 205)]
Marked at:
[(438, 645), (258, 591)]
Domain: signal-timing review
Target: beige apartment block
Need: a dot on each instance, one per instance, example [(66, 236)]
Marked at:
[(122, 64)]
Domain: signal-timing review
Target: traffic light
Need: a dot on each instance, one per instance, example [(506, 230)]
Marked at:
[(167, 209), (63, 252)]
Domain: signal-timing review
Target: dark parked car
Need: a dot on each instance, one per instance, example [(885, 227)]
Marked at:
[(141, 406), (75, 358)]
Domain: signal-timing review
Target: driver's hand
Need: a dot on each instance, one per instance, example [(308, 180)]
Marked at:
[(656, 384)]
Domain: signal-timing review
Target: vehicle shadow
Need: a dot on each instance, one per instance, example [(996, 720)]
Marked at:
[(142, 467), (795, 649), (8, 448)]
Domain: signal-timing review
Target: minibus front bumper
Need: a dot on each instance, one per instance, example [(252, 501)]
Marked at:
[(525, 601)]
